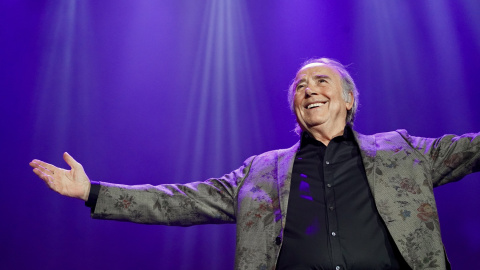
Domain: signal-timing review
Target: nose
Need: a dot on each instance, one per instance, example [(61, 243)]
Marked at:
[(309, 91)]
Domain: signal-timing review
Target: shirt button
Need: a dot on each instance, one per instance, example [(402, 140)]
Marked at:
[(328, 185), (337, 268), (334, 234), (278, 241), (331, 208), (327, 162)]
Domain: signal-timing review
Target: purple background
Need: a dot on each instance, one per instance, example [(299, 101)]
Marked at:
[(175, 91)]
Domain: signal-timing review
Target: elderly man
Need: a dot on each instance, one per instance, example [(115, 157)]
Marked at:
[(353, 201)]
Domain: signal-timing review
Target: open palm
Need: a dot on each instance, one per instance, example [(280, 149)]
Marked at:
[(73, 183)]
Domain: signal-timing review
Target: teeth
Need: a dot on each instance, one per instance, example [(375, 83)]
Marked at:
[(314, 105)]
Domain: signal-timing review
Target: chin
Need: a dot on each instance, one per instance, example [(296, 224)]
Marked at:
[(314, 124)]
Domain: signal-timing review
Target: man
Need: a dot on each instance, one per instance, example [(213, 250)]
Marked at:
[(353, 201)]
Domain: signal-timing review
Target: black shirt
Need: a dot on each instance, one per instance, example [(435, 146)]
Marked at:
[(332, 221)]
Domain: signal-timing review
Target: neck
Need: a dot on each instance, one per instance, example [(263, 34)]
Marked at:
[(325, 134)]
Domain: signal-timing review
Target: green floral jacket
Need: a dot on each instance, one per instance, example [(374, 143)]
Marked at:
[(402, 171)]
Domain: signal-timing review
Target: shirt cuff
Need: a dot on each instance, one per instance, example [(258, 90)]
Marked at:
[(93, 195)]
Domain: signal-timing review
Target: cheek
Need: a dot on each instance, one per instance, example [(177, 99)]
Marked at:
[(297, 102), (340, 103)]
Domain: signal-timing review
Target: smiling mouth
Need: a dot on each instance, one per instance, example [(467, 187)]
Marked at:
[(316, 105)]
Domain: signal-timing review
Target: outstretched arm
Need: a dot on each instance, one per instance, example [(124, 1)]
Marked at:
[(73, 183)]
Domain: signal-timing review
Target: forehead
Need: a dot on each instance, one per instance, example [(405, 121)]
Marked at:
[(316, 69)]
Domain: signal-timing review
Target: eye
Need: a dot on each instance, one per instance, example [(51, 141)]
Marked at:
[(321, 80), (300, 86)]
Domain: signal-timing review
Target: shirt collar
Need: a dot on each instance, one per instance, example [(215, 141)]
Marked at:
[(306, 138)]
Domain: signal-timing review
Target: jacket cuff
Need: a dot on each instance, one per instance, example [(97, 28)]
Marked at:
[(93, 195)]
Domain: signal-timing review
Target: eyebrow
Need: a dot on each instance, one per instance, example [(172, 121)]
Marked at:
[(319, 76)]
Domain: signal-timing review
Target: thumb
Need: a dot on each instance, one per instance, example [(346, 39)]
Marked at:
[(70, 160)]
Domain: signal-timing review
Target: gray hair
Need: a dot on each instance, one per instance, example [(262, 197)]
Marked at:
[(348, 86)]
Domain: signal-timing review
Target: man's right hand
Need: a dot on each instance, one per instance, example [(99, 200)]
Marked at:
[(73, 183)]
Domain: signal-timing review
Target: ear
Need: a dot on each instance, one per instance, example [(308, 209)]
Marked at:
[(350, 103)]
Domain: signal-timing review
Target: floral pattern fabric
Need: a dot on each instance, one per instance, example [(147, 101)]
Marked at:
[(402, 171)]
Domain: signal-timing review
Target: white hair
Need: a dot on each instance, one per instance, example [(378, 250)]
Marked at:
[(348, 86)]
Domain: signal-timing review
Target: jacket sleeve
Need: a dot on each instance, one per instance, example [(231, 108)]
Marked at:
[(209, 202), (451, 157)]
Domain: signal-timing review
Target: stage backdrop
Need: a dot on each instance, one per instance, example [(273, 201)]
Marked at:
[(176, 91)]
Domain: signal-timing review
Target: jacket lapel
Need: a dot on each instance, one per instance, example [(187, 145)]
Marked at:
[(368, 150), (286, 158)]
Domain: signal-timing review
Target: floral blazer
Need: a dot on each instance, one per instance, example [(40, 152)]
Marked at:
[(402, 171)]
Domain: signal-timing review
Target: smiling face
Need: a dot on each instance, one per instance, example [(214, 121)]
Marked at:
[(318, 100)]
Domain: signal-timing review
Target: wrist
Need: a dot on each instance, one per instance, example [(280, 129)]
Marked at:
[(86, 191)]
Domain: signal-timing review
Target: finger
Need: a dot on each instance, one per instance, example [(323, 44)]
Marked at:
[(43, 165), (71, 161), (38, 172), (42, 169), (45, 177)]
